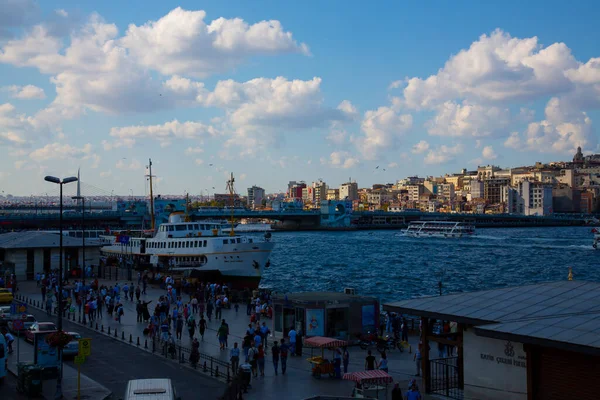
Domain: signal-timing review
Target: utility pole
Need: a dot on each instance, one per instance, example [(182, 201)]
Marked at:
[(151, 195)]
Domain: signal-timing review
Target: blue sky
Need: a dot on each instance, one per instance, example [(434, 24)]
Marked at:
[(325, 90)]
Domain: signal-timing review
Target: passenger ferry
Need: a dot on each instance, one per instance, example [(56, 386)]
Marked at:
[(443, 229), (596, 233), (198, 248)]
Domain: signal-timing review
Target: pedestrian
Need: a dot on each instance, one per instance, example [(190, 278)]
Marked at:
[(283, 354), (417, 359), (252, 353), (227, 325), (209, 310), (9, 341), (236, 306), (139, 311), (164, 331), (404, 329), (275, 354), (179, 327), (191, 324), (257, 339), (383, 363), (369, 361), (44, 289), (264, 332), (222, 335), (120, 312), (292, 335), (202, 326), (337, 363), (234, 357), (49, 306), (345, 358), (413, 393), (138, 293), (397, 392), (260, 358)]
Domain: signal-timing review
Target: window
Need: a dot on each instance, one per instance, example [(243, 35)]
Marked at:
[(205, 243), (225, 241), (232, 241), (195, 243), (187, 244), (196, 226), (202, 227), (238, 240), (171, 228)]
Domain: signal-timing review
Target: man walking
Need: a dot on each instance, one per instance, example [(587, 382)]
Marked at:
[(283, 354), (275, 353), (292, 335), (234, 357)]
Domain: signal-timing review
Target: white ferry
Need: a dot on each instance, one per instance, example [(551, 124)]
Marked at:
[(596, 233), (444, 229), (200, 248)]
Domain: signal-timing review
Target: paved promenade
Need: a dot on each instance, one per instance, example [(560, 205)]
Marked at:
[(296, 384)]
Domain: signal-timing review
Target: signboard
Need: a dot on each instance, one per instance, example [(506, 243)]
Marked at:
[(18, 308), (85, 347), (44, 355), (315, 322), (79, 360), (18, 324)]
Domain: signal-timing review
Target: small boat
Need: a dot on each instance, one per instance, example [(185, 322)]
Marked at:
[(596, 233), (442, 229)]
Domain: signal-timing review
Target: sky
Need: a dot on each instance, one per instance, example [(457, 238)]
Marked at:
[(277, 91)]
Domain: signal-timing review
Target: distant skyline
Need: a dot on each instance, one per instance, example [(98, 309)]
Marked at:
[(276, 91)]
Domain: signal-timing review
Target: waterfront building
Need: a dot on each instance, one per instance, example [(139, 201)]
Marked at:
[(333, 194), (295, 190), (476, 189), (565, 199), (256, 195), (331, 314), (414, 192), (319, 191), (446, 192), (349, 191), (536, 198), (27, 253), (492, 189), (537, 341), (487, 171)]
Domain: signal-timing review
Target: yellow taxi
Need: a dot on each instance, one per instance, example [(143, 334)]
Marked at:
[(5, 296)]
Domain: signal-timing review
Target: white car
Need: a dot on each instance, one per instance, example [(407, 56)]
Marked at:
[(72, 349), (28, 321)]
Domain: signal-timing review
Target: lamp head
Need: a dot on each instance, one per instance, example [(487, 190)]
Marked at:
[(70, 179), (52, 179)]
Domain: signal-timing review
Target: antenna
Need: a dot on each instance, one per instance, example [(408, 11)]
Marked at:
[(231, 189), (149, 176)]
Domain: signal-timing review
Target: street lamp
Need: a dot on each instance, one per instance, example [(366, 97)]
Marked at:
[(83, 247), (60, 183)]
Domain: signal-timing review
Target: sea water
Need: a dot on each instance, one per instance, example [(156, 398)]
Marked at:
[(387, 265)]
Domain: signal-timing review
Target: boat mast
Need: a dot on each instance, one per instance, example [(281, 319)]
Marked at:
[(232, 198), (151, 195), (187, 207)]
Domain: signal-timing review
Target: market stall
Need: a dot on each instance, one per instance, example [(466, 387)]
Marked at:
[(319, 364), (369, 384)]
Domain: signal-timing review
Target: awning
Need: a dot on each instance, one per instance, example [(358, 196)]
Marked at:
[(324, 342), (376, 376)]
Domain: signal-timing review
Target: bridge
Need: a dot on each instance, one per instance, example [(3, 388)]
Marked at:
[(332, 218)]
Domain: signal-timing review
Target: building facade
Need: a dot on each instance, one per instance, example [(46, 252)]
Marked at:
[(256, 195)]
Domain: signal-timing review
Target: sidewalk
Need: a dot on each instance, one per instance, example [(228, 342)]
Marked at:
[(296, 384), (90, 389)]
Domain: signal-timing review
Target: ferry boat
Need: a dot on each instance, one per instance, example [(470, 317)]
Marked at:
[(444, 229), (200, 249), (596, 233)]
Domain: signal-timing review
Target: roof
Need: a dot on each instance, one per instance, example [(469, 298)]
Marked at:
[(324, 342), (149, 389), (38, 239), (314, 297), (564, 314), (375, 376)]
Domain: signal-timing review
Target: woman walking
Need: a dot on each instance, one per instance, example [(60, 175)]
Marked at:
[(260, 358)]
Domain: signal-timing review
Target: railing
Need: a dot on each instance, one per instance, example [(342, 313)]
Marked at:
[(444, 378), (207, 364)]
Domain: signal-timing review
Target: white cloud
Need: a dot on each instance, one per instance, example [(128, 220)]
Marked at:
[(199, 161), (182, 43), (59, 151), (61, 13), (194, 150), (164, 133), (25, 92), (15, 129), (513, 141), (106, 174), (395, 85), (348, 108), (393, 165), (340, 159), (420, 147), (497, 67), (457, 120), (134, 165), (488, 153), (115, 144), (382, 129), (443, 154), (588, 73)]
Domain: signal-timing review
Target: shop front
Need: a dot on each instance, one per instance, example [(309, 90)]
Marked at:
[(331, 314)]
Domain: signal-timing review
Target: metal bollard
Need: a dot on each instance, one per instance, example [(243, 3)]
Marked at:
[(96, 326), (109, 330), (145, 343), (130, 338), (138, 341), (153, 345), (116, 332), (102, 328), (217, 372), (122, 335), (204, 369), (91, 324)]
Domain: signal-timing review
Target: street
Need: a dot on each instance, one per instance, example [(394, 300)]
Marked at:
[(113, 363)]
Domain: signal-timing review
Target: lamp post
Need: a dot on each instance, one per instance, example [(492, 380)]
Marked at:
[(83, 246), (60, 183)]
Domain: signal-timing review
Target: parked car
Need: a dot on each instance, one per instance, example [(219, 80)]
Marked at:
[(72, 349), (28, 321), (156, 389), (38, 327), (6, 296)]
